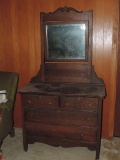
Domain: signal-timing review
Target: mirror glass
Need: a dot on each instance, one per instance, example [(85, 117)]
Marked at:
[(66, 41)]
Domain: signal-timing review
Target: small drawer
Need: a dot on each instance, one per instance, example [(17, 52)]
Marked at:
[(40, 101), (81, 103)]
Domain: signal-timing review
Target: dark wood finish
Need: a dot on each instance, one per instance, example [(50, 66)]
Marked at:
[(62, 105), (61, 71), (54, 115)]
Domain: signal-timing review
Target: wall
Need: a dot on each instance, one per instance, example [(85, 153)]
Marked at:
[(20, 44)]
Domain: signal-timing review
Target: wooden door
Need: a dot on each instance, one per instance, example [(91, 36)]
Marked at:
[(117, 106)]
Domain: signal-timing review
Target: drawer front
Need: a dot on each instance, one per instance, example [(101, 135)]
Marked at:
[(62, 132), (40, 101), (81, 103), (61, 117)]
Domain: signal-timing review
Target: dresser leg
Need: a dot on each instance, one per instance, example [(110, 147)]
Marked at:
[(25, 146), (25, 143), (97, 153)]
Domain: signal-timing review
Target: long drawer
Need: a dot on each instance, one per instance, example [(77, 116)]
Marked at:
[(62, 132), (61, 117)]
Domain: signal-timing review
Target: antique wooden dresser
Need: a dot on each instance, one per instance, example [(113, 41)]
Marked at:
[(62, 104)]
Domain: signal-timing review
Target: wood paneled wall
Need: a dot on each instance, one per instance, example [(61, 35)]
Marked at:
[(20, 44)]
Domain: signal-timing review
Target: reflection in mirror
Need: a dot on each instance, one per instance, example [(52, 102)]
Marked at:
[(66, 41)]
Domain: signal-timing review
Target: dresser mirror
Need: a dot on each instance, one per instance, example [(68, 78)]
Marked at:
[(66, 41), (66, 46)]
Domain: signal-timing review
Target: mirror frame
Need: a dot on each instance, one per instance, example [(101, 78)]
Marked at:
[(66, 15)]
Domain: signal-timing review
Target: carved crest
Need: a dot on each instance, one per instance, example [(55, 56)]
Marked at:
[(66, 9)]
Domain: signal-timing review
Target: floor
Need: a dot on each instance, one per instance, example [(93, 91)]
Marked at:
[(13, 150)]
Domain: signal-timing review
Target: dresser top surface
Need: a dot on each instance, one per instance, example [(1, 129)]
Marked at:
[(74, 89)]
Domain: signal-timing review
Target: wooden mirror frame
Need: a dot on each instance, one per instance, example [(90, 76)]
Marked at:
[(63, 16), (70, 70)]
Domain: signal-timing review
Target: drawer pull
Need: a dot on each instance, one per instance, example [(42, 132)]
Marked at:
[(29, 101), (82, 134), (50, 102)]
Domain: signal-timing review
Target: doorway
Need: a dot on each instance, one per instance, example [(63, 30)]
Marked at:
[(117, 105)]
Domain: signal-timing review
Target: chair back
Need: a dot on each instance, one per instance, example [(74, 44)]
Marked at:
[(9, 82)]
